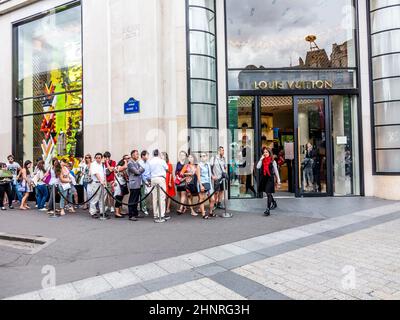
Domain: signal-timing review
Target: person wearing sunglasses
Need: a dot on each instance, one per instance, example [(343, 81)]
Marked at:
[(98, 179), (206, 188), (14, 167), (84, 167)]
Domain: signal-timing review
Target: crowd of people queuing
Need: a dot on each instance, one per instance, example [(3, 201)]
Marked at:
[(107, 184)]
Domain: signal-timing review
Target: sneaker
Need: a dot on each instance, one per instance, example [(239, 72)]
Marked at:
[(11, 207), (43, 210), (133, 219), (167, 218), (160, 221), (146, 213), (96, 216), (267, 213), (3, 209)]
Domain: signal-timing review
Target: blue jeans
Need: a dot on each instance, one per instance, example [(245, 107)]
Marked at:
[(15, 192), (41, 195), (64, 195)]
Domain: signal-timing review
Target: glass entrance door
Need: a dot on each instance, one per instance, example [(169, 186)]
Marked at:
[(312, 146)]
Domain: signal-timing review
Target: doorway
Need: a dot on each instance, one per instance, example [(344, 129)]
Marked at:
[(255, 122), (312, 146), (277, 133), (314, 140)]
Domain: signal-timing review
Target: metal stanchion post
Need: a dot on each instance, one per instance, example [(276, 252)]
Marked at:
[(226, 214), (54, 215), (103, 214)]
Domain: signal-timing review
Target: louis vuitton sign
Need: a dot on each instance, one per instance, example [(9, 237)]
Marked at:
[(293, 85), (296, 79)]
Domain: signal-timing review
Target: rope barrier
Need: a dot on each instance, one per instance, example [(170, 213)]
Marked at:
[(188, 205), (130, 204), (78, 204), (138, 202)]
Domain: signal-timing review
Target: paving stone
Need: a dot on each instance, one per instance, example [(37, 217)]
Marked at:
[(122, 278), (210, 270), (63, 292), (246, 288), (197, 259), (174, 265), (92, 286), (26, 297), (250, 245), (217, 254), (239, 261), (148, 271), (234, 249)]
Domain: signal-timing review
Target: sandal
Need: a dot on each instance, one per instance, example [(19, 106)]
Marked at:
[(206, 217)]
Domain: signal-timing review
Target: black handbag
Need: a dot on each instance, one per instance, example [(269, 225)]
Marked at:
[(124, 188)]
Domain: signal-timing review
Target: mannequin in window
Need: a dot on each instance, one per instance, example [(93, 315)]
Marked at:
[(246, 170)]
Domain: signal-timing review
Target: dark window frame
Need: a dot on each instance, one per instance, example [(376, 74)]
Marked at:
[(189, 54), (17, 148), (374, 126)]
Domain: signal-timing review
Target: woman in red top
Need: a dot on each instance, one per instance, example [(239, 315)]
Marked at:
[(269, 170), (170, 182)]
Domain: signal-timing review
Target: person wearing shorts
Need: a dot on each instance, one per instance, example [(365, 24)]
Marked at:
[(205, 185), (219, 171)]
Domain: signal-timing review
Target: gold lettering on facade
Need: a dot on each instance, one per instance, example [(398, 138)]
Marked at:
[(328, 85), (292, 85)]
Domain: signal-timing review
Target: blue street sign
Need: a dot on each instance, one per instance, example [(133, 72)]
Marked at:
[(132, 106)]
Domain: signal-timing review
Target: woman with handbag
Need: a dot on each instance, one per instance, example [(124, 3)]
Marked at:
[(25, 184), (120, 187), (180, 181), (206, 188), (41, 189), (169, 182), (52, 180), (269, 171), (65, 186), (191, 174)]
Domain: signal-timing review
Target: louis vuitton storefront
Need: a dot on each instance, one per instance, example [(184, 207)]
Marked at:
[(293, 87), (316, 81)]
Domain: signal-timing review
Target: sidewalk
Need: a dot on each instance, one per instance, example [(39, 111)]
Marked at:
[(85, 248)]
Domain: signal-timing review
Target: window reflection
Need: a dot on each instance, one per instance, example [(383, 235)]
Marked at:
[(49, 86), (272, 34)]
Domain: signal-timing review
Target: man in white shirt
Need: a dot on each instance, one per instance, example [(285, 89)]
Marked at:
[(158, 173), (98, 173)]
